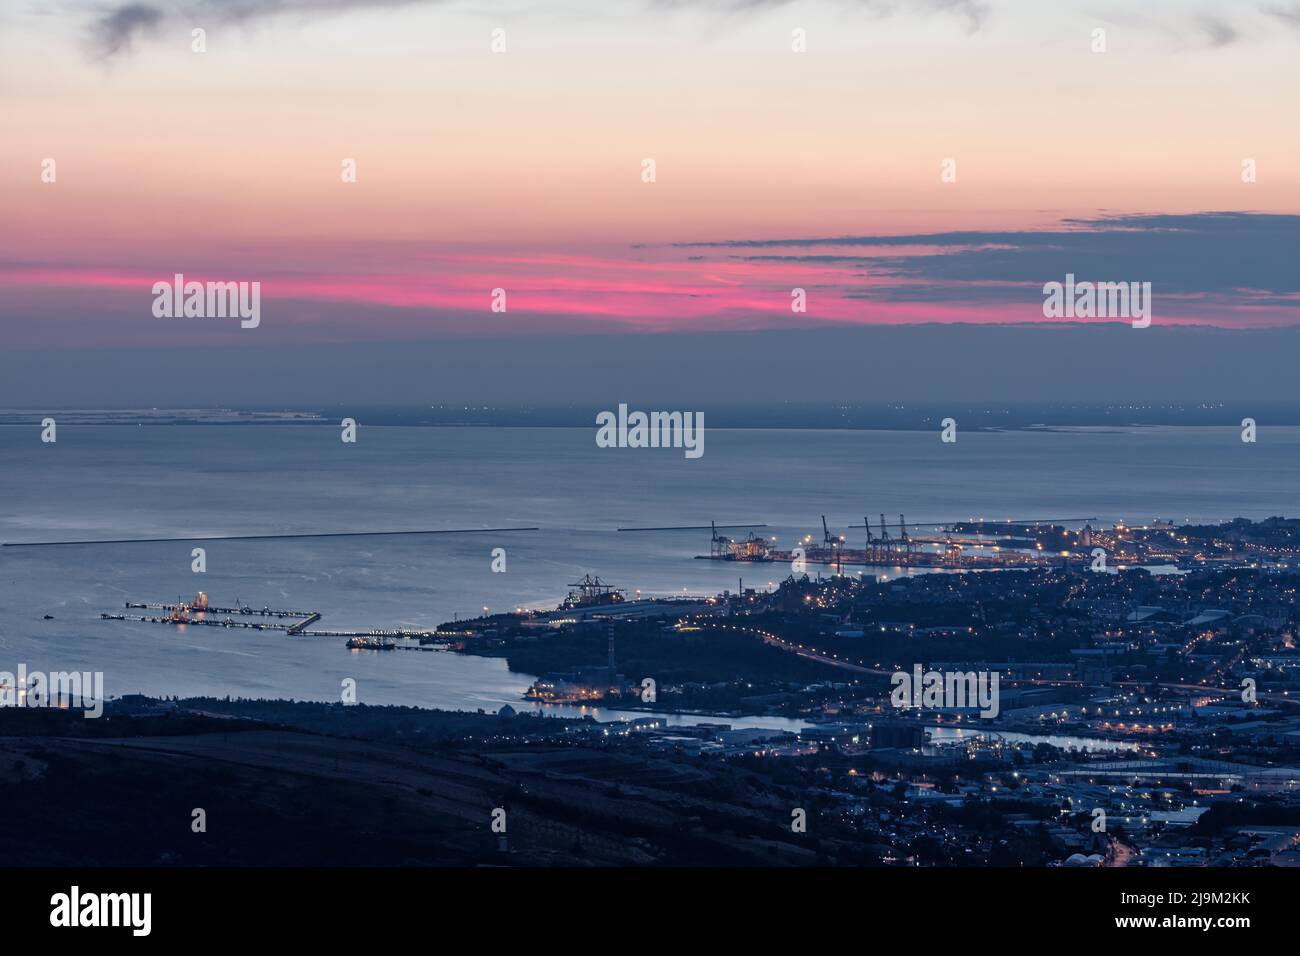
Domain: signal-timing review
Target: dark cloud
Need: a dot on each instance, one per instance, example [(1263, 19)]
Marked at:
[(114, 31), (1219, 32), (1287, 13), (975, 13), (1238, 258)]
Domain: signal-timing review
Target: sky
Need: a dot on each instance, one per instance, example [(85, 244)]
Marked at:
[(920, 163)]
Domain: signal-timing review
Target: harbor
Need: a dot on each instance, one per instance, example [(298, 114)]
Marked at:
[(956, 546), (902, 546), (976, 545)]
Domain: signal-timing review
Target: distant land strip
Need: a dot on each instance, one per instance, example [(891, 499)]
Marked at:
[(260, 537)]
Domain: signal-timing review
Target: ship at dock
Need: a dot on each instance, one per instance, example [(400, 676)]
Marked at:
[(371, 642), (591, 592)]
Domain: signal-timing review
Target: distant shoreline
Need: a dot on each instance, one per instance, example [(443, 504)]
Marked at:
[(805, 417)]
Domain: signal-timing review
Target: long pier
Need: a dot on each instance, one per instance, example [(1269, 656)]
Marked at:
[(263, 537), (200, 622), (294, 630), (399, 634), (209, 609), (312, 618), (292, 623)]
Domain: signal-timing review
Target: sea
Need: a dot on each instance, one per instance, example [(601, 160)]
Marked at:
[(148, 480)]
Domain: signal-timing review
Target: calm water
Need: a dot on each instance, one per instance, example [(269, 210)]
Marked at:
[(155, 481)]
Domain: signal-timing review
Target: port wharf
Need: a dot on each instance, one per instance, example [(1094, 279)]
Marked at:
[(960, 546), (198, 612)]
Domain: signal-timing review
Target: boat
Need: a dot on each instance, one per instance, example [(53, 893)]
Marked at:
[(370, 642), (591, 592)]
